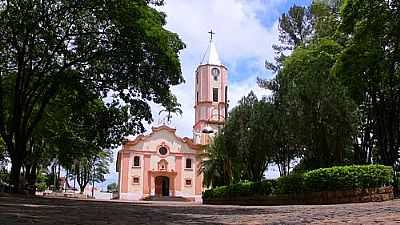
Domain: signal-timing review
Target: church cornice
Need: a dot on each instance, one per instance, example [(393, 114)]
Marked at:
[(212, 65), (210, 122), (208, 103), (163, 127), (143, 137)]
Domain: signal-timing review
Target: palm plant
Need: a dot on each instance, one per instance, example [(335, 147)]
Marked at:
[(215, 166), (173, 107), (212, 170)]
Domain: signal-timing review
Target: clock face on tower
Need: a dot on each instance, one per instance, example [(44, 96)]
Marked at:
[(215, 73)]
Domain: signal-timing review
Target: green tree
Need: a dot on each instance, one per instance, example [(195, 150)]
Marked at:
[(83, 134), (41, 182), (92, 169), (298, 27), (100, 168), (368, 66), (295, 28), (74, 126), (285, 145), (117, 49), (242, 150), (112, 187), (326, 14), (216, 165), (249, 133), (313, 112), (319, 104)]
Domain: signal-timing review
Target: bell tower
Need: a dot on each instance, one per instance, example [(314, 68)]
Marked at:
[(211, 91)]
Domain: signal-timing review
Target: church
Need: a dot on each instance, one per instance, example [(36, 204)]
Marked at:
[(160, 163)]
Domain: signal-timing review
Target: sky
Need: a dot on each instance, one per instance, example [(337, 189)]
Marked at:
[(245, 31)]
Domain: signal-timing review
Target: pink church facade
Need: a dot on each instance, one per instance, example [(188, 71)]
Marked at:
[(164, 164), (159, 164)]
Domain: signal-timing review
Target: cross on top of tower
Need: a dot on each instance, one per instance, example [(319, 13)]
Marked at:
[(211, 55), (211, 34)]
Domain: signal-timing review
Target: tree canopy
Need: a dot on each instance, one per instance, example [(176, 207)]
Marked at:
[(94, 50), (340, 85), (335, 94), (242, 151)]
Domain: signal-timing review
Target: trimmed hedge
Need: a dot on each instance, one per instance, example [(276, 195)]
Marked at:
[(325, 179), (243, 189), (293, 183), (348, 177)]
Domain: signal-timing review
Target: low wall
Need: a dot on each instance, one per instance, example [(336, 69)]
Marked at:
[(65, 195), (102, 195), (312, 198)]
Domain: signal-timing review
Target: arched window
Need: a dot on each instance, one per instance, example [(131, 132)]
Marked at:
[(215, 94), (136, 161), (188, 163)]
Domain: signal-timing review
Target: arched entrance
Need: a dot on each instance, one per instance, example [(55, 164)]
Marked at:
[(162, 186)]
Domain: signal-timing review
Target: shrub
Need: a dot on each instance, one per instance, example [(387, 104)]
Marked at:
[(263, 188), (273, 183), (326, 179), (218, 192), (293, 183), (41, 186), (348, 177), (240, 189), (4, 176), (243, 189)]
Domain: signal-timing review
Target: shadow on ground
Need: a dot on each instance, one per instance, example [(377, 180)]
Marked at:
[(18, 210)]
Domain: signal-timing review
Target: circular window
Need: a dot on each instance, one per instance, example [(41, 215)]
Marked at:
[(163, 150)]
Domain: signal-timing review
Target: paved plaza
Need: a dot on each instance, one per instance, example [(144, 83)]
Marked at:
[(18, 210)]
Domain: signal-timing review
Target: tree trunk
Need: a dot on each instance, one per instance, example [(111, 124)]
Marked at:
[(94, 173), (227, 172), (83, 177), (15, 175), (82, 188), (58, 177), (30, 177), (66, 180), (53, 171), (16, 151)]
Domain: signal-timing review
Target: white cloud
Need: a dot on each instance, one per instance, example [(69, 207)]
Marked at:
[(242, 88), (240, 36)]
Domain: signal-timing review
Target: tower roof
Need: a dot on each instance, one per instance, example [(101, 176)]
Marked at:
[(211, 54)]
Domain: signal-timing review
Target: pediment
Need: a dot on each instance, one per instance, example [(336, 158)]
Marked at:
[(162, 135)]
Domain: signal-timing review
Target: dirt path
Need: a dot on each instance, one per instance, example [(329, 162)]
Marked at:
[(16, 210)]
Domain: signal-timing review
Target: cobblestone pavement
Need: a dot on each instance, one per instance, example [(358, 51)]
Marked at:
[(17, 210)]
